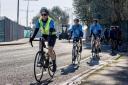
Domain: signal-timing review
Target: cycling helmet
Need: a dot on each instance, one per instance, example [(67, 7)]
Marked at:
[(44, 10)]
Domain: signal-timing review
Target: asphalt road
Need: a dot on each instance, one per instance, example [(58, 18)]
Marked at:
[(16, 64)]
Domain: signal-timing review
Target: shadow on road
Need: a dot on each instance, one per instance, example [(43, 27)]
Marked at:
[(44, 82), (121, 76), (70, 69), (93, 61), (113, 54)]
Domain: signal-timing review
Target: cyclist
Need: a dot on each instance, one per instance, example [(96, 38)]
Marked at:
[(95, 31), (76, 32), (113, 38), (46, 25), (107, 35), (119, 37)]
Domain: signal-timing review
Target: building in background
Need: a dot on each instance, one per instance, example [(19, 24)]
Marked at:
[(10, 30)]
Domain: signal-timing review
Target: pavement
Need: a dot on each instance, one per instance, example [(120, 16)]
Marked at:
[(16, 42), (115, 73)]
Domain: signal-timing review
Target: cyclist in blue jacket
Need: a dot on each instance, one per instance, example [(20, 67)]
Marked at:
[(76, 32), (95, 32)]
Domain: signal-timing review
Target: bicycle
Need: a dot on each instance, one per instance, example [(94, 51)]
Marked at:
[(76, 54), (95, 47), (43, 58)]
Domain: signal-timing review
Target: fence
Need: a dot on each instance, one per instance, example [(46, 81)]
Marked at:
[(10, 30)]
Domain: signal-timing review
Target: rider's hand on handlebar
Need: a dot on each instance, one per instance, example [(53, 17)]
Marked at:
[(30, 40)]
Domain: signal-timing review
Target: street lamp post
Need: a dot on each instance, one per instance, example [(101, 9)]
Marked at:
[(18, 12), (17, 16), (28, 11), (0, 7), (27, 14)]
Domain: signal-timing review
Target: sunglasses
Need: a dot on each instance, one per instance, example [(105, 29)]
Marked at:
[(43, 14)]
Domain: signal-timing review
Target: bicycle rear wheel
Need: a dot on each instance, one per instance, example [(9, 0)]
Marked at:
[(50, 66), (38, 70), (73, 55)]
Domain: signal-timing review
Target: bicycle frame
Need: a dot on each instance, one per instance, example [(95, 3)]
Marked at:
[(41, 44), (41, 47), (76, 51), (76, 43), (95, 47)]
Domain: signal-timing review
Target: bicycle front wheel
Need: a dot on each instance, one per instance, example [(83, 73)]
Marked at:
[(50, 67), (38, 70), (74, 54)]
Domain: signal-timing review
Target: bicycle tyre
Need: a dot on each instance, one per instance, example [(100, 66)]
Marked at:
[(38, 55), (73, 54)]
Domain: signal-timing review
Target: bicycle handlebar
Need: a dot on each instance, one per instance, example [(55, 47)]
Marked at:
[(32, 43), (37, 40)]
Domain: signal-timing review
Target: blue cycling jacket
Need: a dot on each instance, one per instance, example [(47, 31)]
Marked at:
[(76, 31), (95, 28)]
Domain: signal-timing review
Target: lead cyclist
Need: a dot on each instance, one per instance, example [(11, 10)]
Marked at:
[(46, 25)]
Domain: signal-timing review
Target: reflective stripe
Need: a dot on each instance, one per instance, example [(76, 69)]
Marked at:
[(53, 33)]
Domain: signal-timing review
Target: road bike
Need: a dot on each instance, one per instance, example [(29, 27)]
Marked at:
[(95, 47), (76, 53), (42, 61)]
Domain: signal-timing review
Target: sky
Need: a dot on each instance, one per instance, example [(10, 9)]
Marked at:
[(9, 8)]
